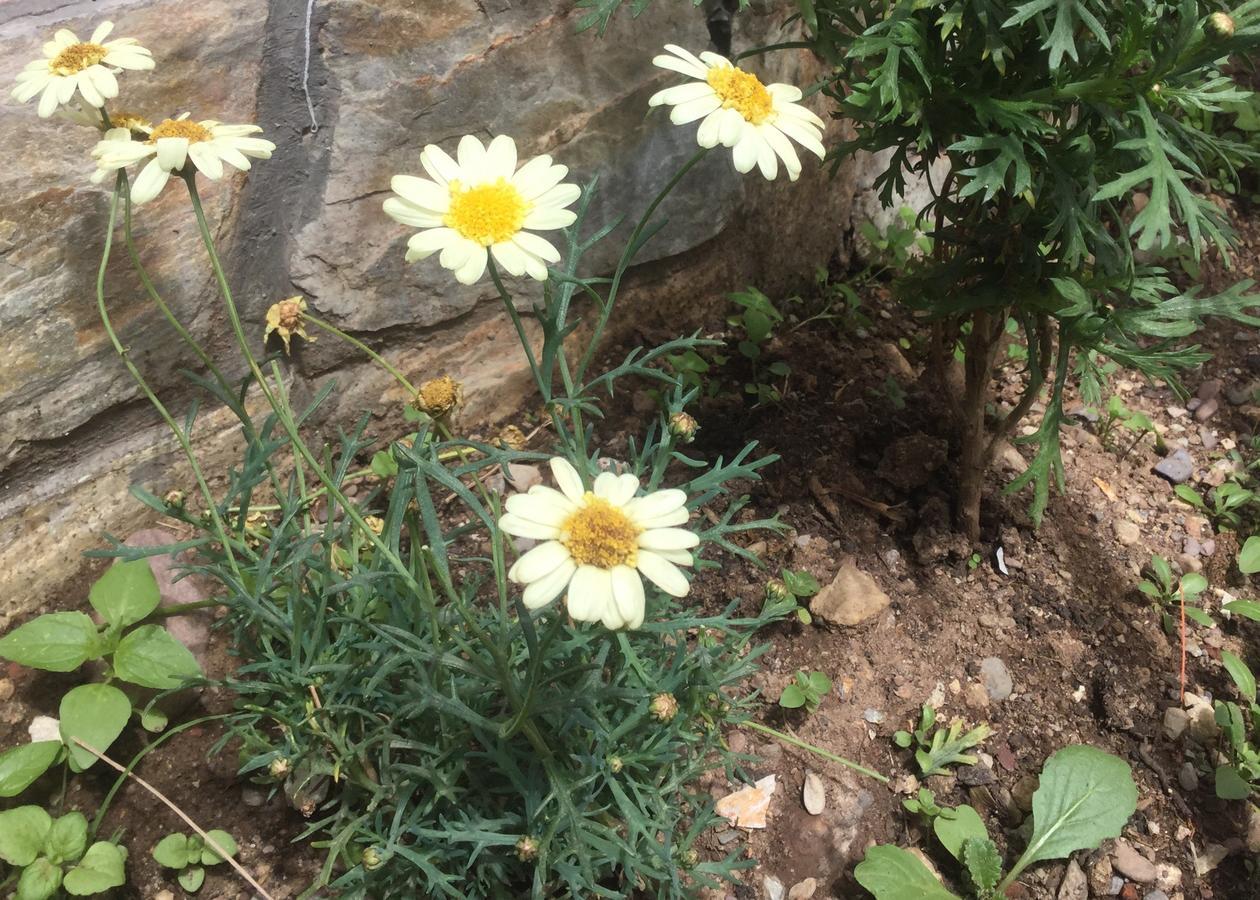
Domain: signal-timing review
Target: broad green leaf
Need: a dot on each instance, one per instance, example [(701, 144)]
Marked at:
[(1230, 785), (96, 714), (1163, 570), (101, 868), (57, 642), (20, 766), (39, 881), (172, 851), (225, 841), (1249, 556), (1194, 614), (1190, 495), (67, 838), (192, 878), (126, 593), (1085, 796), (384, 464), (22, 834), (801, 583), (903, 739), (150, 657), (984, 865), (963, 825), (891, 873), (1248, 609), (1193, 584), (1241, 674), (819, 683), (792, 697)]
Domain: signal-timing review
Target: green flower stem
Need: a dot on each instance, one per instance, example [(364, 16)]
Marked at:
[(283, 413), (220, 532), (817, 751), (358, 344), (770, 48), (299, 472), (506, 297), (626, 256)]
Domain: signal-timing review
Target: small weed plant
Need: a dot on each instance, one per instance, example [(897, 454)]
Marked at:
[(807, 690), (189, 854), (1173, 596), (936, 748)]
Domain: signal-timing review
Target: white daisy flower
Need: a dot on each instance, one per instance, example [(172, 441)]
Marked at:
[(82, 114), (72, 65), (172, 143), (484, 204), (597, 544), (740, 112)]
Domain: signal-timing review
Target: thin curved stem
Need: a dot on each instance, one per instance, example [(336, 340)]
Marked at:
[(543, 387), (220, 532), (817, 751), (770, 48), (283, 414), (358, 344), (632, 247)]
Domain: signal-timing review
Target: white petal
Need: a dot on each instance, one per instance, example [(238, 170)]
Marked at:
[(802, 135), (616, 489), (438, 163), (400, 210), (543, 505), (472, 158), (681, 66), (627, 588), (694, 109), (686, 55), (510, 257), (677, 557), (658, 503), (681, 93), (102, 31), (64, 38), (539, 562), (707, 134), (679, 516), (767, 160), (560, 195), (501, 157), (456, 252), (747, 151), (590, 592), (663, 573), (423, 193), (103, 80), (730, 128), (784, 149), (535, 181), (668, 539), (473, 268), (786, 93), (544, 590), (172, 152), (535, 268), (206, 160), (567, 479), (800, 113), (232, 156), (29, 87), (48, 101), (715, 60), (518, 527), (149, 183), (87, 87), (256, 147), (548, 218), (426, 243), (536, 246)]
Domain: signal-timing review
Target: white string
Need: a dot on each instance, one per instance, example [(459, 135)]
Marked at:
[(306, 68)]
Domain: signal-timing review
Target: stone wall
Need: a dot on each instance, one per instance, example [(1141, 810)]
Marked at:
[(384, 78)]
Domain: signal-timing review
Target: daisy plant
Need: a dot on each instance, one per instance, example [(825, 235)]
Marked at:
[(409, 680), (72, 67)]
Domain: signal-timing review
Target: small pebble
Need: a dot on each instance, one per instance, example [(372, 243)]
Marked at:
[(773, 887), (1188, 778), (874, 716), (996, 678), (803, 890)]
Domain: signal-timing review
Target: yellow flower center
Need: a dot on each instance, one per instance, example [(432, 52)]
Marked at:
[(131, 121), (180, 128), (742, 92), (599, 534), (487, 213), (77, 57)]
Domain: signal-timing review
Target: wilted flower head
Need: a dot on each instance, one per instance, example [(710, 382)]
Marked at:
[(664, 707), (375, 523), (86, 67), (756, 120), (683, 426), (286, 319), (173, 143), (90, 117), (483, 204), (174, 499), (1220, 26), (598, 543), (512, 438), (439, 396)]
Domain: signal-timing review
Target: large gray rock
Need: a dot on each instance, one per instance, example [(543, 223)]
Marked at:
[(384, 79)]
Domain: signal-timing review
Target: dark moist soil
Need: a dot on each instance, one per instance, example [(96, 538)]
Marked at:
[(864, 477)]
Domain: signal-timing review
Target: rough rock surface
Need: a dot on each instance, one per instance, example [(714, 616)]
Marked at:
[(384, 79), (852, 597)]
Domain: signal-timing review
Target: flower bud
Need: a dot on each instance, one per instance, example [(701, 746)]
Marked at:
[(777, 591), (174, 499), (615, 764), (664, 707), (683, 426), (439, 396), (526, 848), (373, 858), (279, 767), (1219, 26), (690, 857)]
